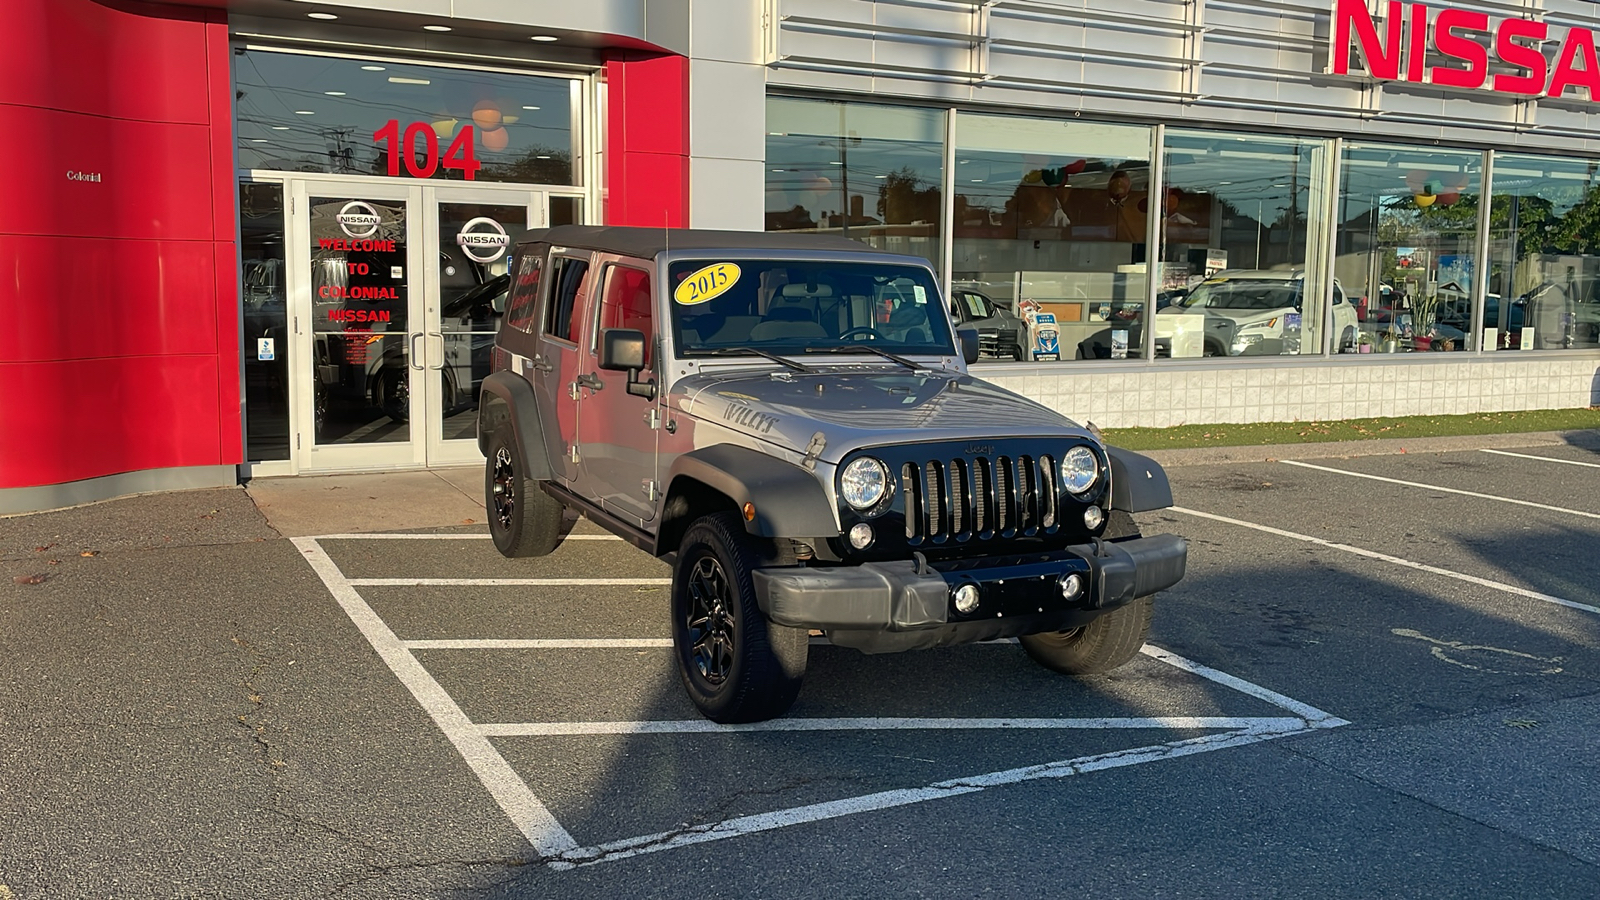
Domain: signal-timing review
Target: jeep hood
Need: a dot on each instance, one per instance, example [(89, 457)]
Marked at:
[(861, 406)]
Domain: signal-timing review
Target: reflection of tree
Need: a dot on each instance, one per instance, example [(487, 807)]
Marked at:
[(903, 199), (536, 165)]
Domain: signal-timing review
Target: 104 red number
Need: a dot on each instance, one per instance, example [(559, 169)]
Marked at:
[(403, 148)]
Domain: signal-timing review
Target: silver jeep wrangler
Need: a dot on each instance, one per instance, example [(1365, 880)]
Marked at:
[(788, 421)]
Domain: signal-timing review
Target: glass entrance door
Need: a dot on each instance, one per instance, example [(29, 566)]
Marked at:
[(473, 230), (398, 291)]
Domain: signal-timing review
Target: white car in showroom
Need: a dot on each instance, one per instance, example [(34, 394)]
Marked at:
[(1247, 312)]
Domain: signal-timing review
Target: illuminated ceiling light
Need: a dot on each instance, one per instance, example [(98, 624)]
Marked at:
[(259, 141), (545, 38), (880, 176), (280, 128), (436, 28), (326, 17), (396, 79), (977, 181), (530, 107), (304, 112), (334, 93), (372, 68), (543, 157)]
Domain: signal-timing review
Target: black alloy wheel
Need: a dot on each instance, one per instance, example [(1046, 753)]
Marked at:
[(523, 519), (735, 665), (503, 487), (711, 621)]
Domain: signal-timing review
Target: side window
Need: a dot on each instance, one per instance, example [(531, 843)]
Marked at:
[(525, 293), (568, 276), (627, 304)]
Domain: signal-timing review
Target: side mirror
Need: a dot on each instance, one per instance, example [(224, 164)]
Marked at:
[(968, 336), (621, 349)]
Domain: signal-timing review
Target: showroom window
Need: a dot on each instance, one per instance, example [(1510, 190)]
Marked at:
[(1243, 248), (1407, 249), (343, 116), (264, 295), (867, 172), (1050, 224), (1544, 258)]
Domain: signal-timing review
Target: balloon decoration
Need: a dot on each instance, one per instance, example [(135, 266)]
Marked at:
[(486, 115), (495, 139), (444, 128)]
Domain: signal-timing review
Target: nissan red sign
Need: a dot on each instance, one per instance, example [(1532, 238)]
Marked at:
[(1464, 44)]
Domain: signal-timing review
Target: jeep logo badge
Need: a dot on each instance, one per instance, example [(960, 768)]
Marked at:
[(483, 240), (358, 219)]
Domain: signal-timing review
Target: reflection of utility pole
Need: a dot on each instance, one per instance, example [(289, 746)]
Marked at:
[(341, 156), (844, 177)]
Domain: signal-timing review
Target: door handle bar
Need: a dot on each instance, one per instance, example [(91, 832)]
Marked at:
[(416, 354)]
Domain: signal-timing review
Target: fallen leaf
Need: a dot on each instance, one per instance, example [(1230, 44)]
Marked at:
[(53, 562), (31, 579), (44, 548), (466, 521), (90, 553)]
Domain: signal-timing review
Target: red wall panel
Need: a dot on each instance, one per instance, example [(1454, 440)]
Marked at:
[(154, 177), (121, 292), (136, 62), (124, 414), (647, 152), (80, 298)]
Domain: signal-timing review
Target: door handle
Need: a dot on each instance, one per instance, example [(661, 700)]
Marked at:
[(439, 359), (416, 354), (591, 381), (538, 363)]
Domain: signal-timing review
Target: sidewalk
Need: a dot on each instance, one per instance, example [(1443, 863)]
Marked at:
[(378, 501)]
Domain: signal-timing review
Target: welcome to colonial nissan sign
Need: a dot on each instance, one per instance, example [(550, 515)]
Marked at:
[(1465, 45)]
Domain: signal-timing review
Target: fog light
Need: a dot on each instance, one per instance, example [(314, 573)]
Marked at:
[(1071, 586), (966, 598), (1092, 517), (861, 535)]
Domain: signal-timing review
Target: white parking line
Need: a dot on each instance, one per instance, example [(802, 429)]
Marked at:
[(560, 851), (868, 723), (833, 809), (541, 644), (1435, 487), (448, 536), (504, 582), (515, 798), (1565, 462), (1372, 554)]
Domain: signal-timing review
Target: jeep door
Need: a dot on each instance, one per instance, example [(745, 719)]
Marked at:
[(617, 431), (560, 360)]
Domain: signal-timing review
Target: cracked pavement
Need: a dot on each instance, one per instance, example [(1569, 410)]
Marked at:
[(188, 713)]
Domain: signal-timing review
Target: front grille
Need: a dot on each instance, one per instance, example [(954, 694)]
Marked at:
[(979, 496)]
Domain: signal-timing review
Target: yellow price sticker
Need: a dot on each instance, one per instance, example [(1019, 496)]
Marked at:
[(706, 284)]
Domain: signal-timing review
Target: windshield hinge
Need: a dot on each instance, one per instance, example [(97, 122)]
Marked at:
[(814, 450)]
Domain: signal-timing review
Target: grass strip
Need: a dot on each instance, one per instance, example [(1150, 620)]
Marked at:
[(1257, 433)]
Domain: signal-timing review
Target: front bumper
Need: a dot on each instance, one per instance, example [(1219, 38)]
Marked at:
[(903, 605)]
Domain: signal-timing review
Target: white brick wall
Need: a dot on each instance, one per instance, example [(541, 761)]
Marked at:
[(1166, 394)]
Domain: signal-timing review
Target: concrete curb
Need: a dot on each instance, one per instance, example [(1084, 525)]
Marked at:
[(1203, 456)]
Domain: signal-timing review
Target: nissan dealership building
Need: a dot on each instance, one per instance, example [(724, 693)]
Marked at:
[(270, 237)]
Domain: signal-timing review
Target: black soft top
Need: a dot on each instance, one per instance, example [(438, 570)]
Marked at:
[(645, 243)]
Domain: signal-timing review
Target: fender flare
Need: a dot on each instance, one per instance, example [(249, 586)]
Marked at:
[(512, 393), (789, 501), (1138, 483)]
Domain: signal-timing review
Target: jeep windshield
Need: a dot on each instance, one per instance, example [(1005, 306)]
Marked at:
[(1259, 294), (790, 307)]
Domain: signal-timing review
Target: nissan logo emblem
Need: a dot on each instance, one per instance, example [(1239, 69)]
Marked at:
[(483, 240), (358, 219)]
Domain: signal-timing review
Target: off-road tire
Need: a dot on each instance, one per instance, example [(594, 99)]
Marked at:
[(1105, 643), (523, 520), (735, 665)]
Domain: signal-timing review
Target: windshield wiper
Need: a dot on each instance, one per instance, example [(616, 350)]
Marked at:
[(842, 348), (751, 351)]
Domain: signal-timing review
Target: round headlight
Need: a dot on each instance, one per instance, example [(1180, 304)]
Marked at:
[(864, 482), (1079, 469)]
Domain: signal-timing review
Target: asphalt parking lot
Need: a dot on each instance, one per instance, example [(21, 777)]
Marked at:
[(1380, 678)]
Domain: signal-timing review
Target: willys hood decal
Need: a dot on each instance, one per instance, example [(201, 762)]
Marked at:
[(856, 407)]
